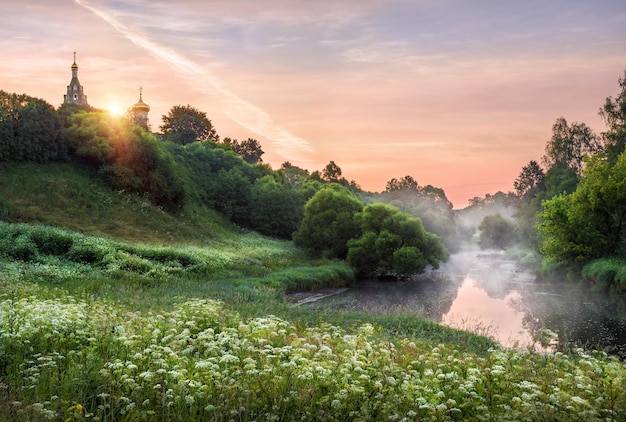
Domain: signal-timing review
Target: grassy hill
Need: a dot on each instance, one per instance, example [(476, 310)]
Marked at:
[(74, 197), (113, 309)]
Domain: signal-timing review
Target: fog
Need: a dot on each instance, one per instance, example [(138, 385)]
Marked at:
[(485, 292)]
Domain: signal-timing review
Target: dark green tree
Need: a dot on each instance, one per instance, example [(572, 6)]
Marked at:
[(529, 181), (275, 209), (570, 144), (232, 195), (332, 173), (393, 243), (186, 124), (249, 150), (406, 184), (613, 112), (29, 129), (328, 222)]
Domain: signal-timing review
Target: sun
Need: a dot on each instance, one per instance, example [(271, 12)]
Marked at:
[(115, 110)]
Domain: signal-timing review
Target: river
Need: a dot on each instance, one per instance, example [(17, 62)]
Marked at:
[(488, 294)]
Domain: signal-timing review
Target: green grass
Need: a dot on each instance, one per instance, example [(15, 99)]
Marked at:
[(67, 358), (607, 274), (130, 313), (72, 196)]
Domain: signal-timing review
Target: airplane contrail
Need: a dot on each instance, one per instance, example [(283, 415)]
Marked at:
[(239, 110)]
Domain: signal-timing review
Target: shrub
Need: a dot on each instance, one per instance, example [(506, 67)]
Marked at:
[(393, 243), (328, 222), (51, 241), (606, 274)]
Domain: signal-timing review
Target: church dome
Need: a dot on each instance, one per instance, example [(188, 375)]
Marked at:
[(140, 107)]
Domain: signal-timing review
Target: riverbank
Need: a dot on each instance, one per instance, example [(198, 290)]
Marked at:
[(95, 328), (491, 294)]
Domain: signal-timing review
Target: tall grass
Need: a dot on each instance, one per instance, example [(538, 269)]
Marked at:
[(607, 274), (72, 359)]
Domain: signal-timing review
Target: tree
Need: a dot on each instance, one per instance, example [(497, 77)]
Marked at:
[(496, 232), (529, 180), (127, 156), (186, 124), (275, 209), (393, 243), (328, 222), (332, 173), (232, 195), (29, 129), (249, 150), (589, 223), (613, 112), (406, 184), (570, 144)]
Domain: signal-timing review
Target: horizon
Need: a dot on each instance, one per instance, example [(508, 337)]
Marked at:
[(459, 97)]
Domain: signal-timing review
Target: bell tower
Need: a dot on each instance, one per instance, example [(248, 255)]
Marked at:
[(75, 94)]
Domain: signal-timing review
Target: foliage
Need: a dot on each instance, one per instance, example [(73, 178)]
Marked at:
[(275, 209), (589, 223), (393, 243), (499, 198), (428, 203), (29, 129), (557, 180), (331, 173), (570, 144), (92, 136), (328, 222), (128, 157), (529, 181), (496, 232), (406, 184), (186, 124), (607, 274), (614, 114), (249, 150)]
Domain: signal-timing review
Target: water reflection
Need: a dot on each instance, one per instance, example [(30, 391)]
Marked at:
[(500, 318), (488, 294)]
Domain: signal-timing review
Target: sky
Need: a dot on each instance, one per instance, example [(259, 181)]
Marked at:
[(459, 94)]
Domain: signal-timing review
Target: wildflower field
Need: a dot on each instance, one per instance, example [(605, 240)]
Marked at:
[(96, 329)]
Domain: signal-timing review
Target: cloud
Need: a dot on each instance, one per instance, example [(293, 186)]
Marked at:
[(238, 109)]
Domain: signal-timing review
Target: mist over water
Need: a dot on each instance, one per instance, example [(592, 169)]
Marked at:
[(486, 293)]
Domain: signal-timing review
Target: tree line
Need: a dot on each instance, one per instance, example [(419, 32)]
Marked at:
[(187, 162), (571, 203)]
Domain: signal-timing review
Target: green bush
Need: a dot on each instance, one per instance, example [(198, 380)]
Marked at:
[(606, 274), (328, 222), (88, 250), (51, 240), (393, 243)]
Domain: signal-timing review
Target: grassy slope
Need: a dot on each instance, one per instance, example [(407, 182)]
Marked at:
[(258, 268)]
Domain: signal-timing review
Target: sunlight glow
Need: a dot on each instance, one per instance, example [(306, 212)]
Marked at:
[(115, 109)]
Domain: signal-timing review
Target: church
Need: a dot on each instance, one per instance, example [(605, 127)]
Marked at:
[(76, 95)]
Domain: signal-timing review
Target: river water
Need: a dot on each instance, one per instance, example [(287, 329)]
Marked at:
[(486, 293)]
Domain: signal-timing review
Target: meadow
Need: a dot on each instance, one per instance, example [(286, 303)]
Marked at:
[(122, 317)]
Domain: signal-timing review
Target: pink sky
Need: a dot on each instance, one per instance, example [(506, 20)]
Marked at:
[(457, 94)]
